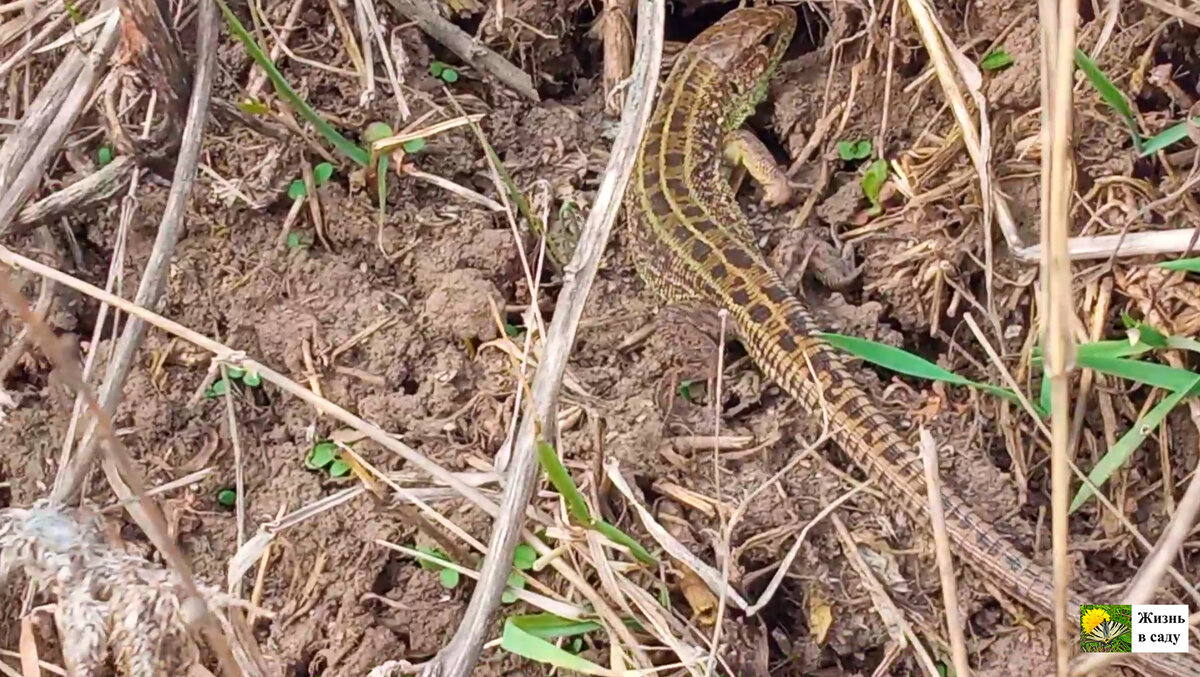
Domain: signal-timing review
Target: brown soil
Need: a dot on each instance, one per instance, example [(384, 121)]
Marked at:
[(342, 604)]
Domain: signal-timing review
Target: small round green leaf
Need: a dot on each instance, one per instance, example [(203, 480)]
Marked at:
[(436, 68), (508, 597), (339, 468), (227, 497), (995, 60), (322, 173), (376, 131), (321, 455), (252, 379), (104, 155), (524, 557), (414, 145), (217, 389), (297, 190), (234, 372), (448, 578), (450, 75)]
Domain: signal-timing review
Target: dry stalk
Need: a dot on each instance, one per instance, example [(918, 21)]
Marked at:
[(1058, 68), (466, 47), (941, 543), (458, 658)]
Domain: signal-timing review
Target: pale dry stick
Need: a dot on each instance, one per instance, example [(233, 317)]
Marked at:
[(927, 28), (116, 265), (941, 546), (48, 667), (465, 46), (368, 9), (459, 190), (239, 484), (38, 115), (94, 189), (368, 73), (1058, 19), (154, 278), (261, 21), (167, 487), (260, 578), (1170, 8), (459, 657), (723, 546), (1079, 474), (1148, 577), (786, 563), (33, 42), (258, 76), (34, 164), (881, 135), (899, 629), (347, 35)]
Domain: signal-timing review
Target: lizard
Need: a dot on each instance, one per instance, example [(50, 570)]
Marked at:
[(691, 244)]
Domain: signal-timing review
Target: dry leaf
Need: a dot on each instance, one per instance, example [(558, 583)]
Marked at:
[(698, 596), (820, 618)]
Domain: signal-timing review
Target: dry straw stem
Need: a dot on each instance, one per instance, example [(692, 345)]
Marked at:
[(941, 543), (41, 147), (458, 658), (1058, 69), (465, 46), (1176, 11), (154, 279)]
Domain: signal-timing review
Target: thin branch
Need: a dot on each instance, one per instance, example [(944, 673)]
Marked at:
[(465, 46), (1058, 69), (458, 658), (154, 279), (941, 543)]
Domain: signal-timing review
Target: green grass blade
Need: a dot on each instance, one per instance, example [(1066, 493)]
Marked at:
[(1186, 265), (563, 484), (1130, 441), (527, 645), (1149, 373), (1109, 92), (1168, 137), (548, 626), (904, 362), (620, 537), (341, 143)]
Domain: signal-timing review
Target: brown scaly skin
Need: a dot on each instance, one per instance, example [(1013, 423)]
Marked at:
[(692, 244)]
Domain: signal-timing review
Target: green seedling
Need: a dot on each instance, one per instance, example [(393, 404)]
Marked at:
[(341, 143), (445, 71), (73, 12), (528, 637), (513, 330), (321, 175), (297, 241), (414, 145), (1111, 95), (104, 156), (850, 151), (872, 184), (449, 578), (221, 386), (523, 558), (227, 498), (996, 60), (325, 456), (577, 508), (685, 391)]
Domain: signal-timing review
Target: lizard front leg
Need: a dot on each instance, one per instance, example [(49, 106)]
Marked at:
[(746, 153)]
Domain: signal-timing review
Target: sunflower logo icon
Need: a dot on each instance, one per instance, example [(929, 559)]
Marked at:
[(1105, 628)]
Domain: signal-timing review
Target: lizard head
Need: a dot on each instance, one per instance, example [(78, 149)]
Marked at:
[(746, 45)]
